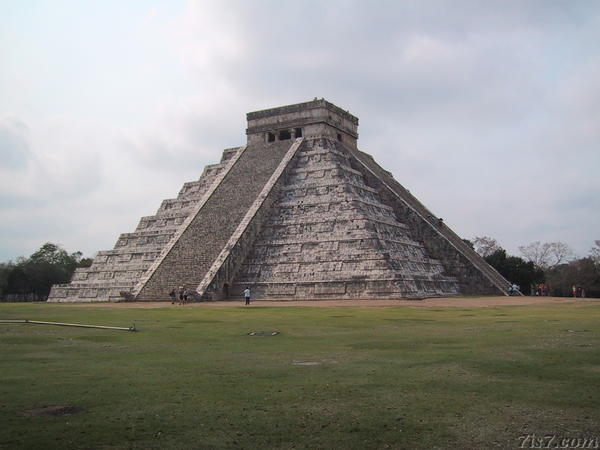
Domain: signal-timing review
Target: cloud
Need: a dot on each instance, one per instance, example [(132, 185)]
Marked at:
[(487, 111)]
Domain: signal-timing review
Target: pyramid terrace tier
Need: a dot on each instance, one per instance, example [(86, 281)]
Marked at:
[(108, 271), (341, 192), (292, 213), (119, 264), (415, 288), (169, 206), (341, 204), (326, 169), (377, 268), (90, 292), (120, 255), (351, 238), (305, 187), (138, 239), (369, 274), (167, 220), (313, 232), (352, 252), (353, 213)]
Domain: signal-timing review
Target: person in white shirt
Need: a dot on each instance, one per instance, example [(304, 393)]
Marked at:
[(247, 295)]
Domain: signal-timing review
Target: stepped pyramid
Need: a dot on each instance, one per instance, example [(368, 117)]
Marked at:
[(297, 213)]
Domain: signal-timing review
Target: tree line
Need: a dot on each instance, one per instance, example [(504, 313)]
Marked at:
[(30, 279), (552, 265)]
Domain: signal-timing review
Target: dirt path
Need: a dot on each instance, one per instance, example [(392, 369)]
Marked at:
[(459, 302)]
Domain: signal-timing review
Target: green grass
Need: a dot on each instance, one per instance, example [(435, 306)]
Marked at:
[(333, 378)]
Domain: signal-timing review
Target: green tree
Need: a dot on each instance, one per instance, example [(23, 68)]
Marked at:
[(34, 276), (85, 262), (5, 271), (515, 269)]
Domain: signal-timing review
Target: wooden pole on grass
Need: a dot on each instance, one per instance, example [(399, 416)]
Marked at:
[(63, 324)]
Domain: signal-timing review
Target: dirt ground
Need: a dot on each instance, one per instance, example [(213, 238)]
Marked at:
[(460, 302)]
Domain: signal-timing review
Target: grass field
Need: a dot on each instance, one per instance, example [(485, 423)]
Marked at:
[(394, 377)]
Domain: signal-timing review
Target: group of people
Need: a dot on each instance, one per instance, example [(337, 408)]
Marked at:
[(540, 290), (578, 291), (183, 294)]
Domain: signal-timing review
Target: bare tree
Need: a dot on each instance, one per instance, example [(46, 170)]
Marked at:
[(547, 255), (485, 245)]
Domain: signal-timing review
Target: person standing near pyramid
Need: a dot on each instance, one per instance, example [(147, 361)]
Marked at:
[(247, 295)]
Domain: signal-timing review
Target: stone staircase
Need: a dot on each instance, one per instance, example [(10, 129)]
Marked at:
[(199, 242)]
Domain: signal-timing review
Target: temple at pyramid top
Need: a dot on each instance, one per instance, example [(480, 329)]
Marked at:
[(317, 118), (299, 212)]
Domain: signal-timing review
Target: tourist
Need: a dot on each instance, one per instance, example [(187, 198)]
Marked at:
[(173, 295), (574, 291), (181, 291), (247, 295)]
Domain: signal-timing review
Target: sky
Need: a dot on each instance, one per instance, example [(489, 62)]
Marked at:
[(488, 112)]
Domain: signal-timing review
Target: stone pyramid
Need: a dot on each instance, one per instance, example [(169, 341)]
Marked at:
[(297, 213)]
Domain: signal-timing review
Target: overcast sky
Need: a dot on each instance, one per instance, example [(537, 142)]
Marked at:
[(489, 112)]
